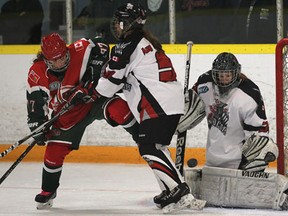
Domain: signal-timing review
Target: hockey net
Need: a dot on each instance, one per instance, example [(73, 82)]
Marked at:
[(282, 105)]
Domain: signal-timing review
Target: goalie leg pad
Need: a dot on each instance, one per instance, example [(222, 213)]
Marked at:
[(194, 112), (240, 188)]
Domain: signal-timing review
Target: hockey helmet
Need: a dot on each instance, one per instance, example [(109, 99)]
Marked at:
[(127, 17), (226, 71), (54, 50)]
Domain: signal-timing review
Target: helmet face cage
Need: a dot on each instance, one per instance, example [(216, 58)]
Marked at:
[(226, 71), (66, 61), (127, 17)]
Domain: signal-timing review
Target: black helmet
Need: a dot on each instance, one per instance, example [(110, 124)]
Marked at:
[(226, 71), (127, 17)]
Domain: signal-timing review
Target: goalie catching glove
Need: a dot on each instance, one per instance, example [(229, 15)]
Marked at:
[(257, 152), (194, 112)]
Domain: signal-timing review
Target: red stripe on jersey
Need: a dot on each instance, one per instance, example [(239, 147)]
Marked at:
[(167, 76), (146, 108)]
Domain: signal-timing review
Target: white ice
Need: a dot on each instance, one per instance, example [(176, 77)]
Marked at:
[(95, 189)]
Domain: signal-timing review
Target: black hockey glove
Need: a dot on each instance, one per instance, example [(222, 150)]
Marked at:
[(84, 94), (40, 138)]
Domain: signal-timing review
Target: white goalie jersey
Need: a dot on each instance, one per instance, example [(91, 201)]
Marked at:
[(232, 118)]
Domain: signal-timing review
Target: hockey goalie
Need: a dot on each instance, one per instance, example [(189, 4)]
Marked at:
[(238, 148)]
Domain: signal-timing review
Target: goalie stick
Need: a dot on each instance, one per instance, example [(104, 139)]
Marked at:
[(38, 130), (181, 138)]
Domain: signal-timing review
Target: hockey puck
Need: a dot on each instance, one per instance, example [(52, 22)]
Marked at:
[(192, 162)]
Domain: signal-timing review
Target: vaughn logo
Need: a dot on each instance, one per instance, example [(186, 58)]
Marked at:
[(255, 174)]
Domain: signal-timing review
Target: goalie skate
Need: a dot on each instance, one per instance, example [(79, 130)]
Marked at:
[(197, 204), (182, 203)]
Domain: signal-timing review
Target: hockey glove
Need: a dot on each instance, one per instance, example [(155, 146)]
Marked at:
[(258, 165), (83, 94), (40, 138), (258, 151), (194, 112)]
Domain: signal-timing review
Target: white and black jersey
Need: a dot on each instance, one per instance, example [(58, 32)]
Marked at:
[(231, 118), (145, 75)]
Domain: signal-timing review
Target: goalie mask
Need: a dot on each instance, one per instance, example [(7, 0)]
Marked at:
[(226, 72), (55, 52), (126, 18)]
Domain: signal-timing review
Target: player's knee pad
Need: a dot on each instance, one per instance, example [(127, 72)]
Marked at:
[(117, 112), (55, 153)]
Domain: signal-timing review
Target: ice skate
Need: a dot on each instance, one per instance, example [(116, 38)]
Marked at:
[(158, 199), (177, 199), (197, 204), (45, 199)]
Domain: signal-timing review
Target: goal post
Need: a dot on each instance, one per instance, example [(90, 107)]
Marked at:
[(281, 70)]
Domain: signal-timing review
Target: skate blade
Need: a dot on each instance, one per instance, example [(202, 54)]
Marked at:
[(197, 204), (46, 205), (182, 203)]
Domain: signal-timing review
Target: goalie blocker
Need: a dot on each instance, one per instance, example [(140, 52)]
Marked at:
[(238, 188), (194, 112)]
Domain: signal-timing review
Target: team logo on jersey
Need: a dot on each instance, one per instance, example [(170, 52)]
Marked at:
[(120, 47), (33, 76), (218, 116), (54, 85), (127, 87)]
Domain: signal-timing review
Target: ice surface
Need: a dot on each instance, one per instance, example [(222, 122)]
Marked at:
[(95, 189)]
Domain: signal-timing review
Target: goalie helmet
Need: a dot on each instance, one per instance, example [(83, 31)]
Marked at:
[(127, 17), (54, 50), (226, 72)]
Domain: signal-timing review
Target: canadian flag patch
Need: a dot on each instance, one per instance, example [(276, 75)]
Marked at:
[(33, 76), (78, 46)]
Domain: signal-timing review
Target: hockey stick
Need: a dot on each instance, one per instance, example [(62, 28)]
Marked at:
[(38, 130), (19, 159), (181, 138)]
